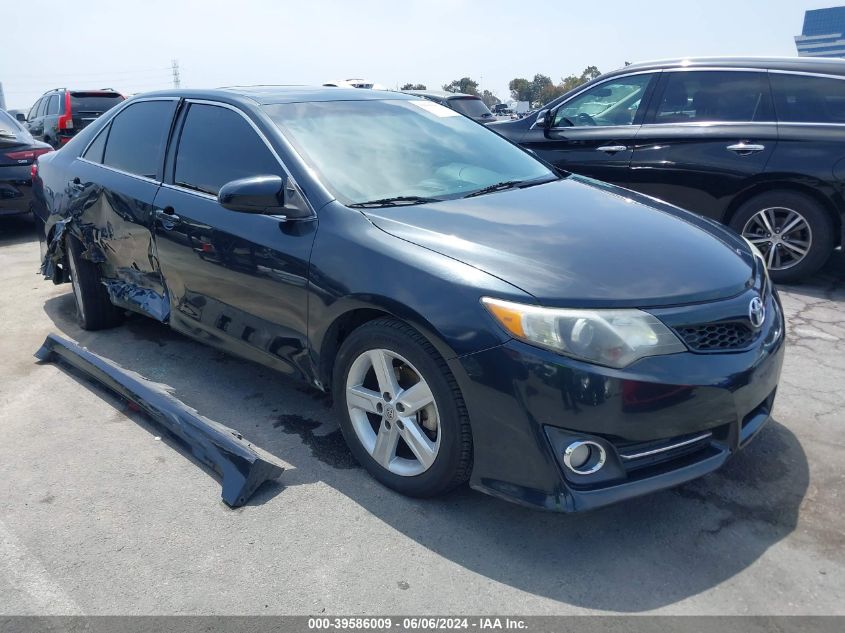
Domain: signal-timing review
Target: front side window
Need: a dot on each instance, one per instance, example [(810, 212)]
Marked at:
[(614, 102), (372, 150), (806, 99), (218, 145), (715, 96), (42, 107), (33, 111), (138, 136)]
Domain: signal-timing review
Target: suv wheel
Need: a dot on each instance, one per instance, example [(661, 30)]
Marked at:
[(402, 413), (794, 233), (94, 309)]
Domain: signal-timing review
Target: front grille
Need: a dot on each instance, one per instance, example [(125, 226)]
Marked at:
[(717, 337)]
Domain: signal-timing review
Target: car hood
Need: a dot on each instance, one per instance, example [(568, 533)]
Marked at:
[(578, 242)]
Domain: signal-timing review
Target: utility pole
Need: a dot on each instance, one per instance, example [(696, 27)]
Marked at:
[(177, 82)]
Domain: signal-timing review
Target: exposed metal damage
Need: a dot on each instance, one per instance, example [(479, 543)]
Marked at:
[(242, 466)]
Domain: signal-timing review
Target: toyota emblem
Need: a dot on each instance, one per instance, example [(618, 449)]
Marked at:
[(757, 312)]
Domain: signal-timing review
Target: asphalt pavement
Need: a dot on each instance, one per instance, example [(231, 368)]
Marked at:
[(101, 513)]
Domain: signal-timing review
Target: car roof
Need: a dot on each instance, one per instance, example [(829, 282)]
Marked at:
[(440, 94), (267, 95), (798, 64)]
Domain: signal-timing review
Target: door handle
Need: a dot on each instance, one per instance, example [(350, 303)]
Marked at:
[(745, 148), (168, 218), (612, 149)]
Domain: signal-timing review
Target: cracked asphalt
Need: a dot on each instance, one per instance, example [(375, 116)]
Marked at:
[(102, 514)]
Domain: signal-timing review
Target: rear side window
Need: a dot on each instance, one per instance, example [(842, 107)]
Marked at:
[(42, 107), (217, 145), (96, 102), (94, 153), (691, 96), (53, 105), (138, 136), (805, 99), (8, 126), (470, 106)]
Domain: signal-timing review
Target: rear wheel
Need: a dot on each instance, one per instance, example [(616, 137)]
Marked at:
[(793, 232), (94, 309), (402, 413)]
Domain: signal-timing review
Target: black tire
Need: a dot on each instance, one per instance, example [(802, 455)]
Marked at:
[(819, 220), (94, 309), (453, 463)]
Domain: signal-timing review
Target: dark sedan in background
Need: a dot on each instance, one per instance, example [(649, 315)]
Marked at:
[(553, 340), (18, 151), (468, 105), (755, 143)]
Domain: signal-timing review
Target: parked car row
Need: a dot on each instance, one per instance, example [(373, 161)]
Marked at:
[(757, 144)]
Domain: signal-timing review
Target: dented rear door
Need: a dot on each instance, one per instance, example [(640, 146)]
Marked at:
[(111, 192)]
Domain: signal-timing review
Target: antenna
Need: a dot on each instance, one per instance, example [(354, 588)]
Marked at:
[(177, 82)]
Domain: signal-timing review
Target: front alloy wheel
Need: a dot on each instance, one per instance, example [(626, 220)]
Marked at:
[(401, 411), (393, 412)]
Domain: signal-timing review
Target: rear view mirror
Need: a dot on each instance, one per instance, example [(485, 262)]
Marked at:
[(602, 92), (257, 194)]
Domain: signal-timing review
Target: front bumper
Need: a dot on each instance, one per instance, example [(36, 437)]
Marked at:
[(15, 189), (662, 421)]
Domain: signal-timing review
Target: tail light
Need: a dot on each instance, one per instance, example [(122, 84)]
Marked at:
[(27, 154), (66, 119)]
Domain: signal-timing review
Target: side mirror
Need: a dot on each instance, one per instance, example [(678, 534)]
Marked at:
[(20, 116), (543, 119), (257, 194)]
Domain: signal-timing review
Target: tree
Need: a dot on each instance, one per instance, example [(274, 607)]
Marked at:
[(542, 89), (573, 81), (464, 84), (413, 87), (489, 99), (520, 89)]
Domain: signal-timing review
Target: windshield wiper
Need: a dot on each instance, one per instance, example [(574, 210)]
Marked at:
[(395, 201), (509, 184)]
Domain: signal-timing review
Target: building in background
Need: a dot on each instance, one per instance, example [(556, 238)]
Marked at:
[(823, 34), (2, 98)]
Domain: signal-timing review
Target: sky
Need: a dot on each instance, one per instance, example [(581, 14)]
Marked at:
[(129, 45)]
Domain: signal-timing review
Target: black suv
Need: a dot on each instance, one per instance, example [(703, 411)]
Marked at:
[(754, 143), (61, 113)]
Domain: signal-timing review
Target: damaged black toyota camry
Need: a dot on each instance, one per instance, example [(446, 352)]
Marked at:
[(477, 317)]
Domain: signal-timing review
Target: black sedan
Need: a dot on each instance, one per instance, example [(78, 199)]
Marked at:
[(18, 151), (476, 316)]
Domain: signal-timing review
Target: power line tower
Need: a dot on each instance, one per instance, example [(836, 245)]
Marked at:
[(177, 82)]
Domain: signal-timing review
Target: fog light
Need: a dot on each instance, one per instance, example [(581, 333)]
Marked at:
[(584, 457)]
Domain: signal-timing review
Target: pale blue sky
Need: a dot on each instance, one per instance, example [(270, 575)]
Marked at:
[(128, 45)]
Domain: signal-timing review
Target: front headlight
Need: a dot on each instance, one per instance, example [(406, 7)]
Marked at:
[(615, 338)]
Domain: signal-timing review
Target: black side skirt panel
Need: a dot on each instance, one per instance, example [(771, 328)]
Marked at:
[(242, 466)]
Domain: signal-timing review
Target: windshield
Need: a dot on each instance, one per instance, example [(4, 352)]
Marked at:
[(470, 106), (371, 150)]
